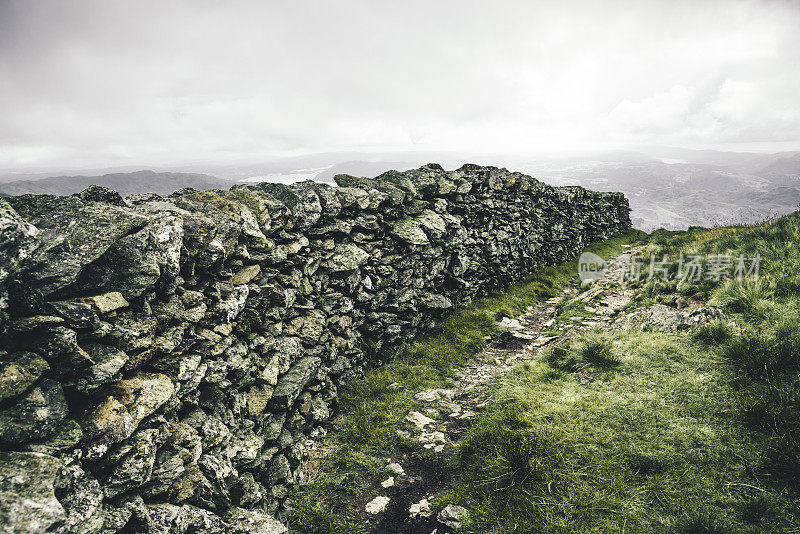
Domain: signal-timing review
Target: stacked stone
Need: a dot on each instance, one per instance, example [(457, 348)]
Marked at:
[(165, 361)]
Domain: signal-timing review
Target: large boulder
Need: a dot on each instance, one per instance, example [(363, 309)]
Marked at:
[(301, 199), (17, 240), (73, 234)]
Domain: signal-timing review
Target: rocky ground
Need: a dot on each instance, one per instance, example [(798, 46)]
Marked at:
[(401, 503)]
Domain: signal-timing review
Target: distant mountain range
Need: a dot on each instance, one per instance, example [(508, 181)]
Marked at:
[(700, 190), (126, 183), (672, 188)]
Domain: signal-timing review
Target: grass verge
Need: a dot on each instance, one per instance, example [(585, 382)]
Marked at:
[(654, 446), (373, 409)]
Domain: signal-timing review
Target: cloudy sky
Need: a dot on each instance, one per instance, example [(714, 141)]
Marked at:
[(107, 82)]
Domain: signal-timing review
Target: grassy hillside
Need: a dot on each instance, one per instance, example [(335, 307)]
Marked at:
[(685, 433), (616, 431)]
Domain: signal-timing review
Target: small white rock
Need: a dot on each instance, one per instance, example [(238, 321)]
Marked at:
[(419, 420), (428, 395), (422, 509), (509, 325), (377, 505), (396, 468), (453, 516), (388, 483)]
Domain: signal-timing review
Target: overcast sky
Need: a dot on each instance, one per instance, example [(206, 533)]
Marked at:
[(107, 82)]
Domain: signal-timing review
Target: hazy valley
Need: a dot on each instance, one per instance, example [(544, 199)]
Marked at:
[(667, 187)]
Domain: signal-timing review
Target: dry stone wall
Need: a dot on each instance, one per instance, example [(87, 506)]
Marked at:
[(165, 361)]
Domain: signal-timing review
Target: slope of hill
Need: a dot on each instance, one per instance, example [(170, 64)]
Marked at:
[(638, 403), (126, 183)]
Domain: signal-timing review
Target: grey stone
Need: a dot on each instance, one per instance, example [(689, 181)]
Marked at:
[(435, 301), (98, 193), (18, 238), (253, 522), (143, 393), (453, 516), (410, 231), (19, 372), (107, 302), (291, 384), (60, 347), (246, 275), (347, 257), (73, 234), (108, 363), (28, 504), (34, 415), (132, 463), (76, 313), (104, 424), (82, 499), (67, 435)]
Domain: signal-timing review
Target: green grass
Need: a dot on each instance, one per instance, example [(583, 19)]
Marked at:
[(655, 446), (312, 517), (714, 333), (593, 349), (614, 432), (373, 409), (765, 351), (596, 348), (742, 296), (692, 432)]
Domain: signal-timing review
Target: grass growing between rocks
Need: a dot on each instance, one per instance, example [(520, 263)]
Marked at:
[(372, 409)]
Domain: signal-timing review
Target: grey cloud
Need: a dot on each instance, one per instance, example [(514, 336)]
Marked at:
[(163, 81)]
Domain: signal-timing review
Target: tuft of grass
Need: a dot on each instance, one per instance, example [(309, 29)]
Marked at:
[(743, 296), (562, 358), (645, 464), (714, 333), (594, 348), (703, 522), (758, 510), (310, 518), (310, 515), (766, 353)]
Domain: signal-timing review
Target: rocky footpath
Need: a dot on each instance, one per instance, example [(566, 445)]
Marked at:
[(403, 501), (164, 362)]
